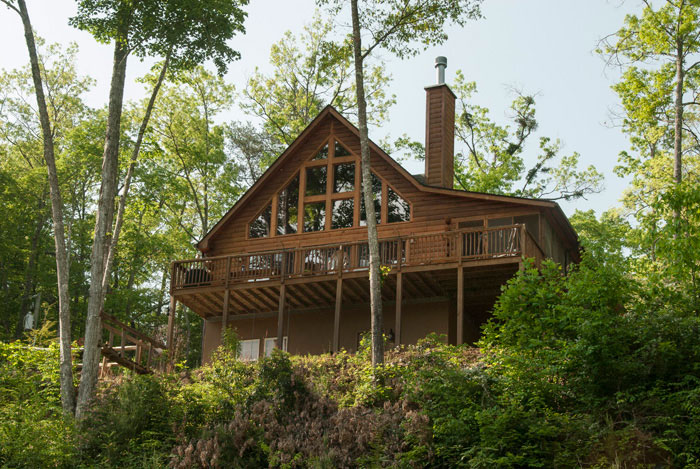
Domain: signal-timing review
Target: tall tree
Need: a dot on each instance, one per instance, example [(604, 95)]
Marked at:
[(310, 71), (403, 28), (187, 32), (493, 157), (658, 55), (66, 375)]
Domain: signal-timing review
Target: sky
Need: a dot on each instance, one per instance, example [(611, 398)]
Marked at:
[(537, 46)]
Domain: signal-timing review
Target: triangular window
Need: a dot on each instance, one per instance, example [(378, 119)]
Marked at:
[(260, 227), (322, 154)]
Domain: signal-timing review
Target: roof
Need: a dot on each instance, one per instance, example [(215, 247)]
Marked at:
[(417, 181)]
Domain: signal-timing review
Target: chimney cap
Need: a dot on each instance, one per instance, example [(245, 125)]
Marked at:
[(440, 65)]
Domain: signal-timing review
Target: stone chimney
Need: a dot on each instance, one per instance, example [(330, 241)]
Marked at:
[(439, 130)]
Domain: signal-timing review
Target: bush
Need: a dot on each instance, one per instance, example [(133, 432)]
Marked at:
[(33, 430)]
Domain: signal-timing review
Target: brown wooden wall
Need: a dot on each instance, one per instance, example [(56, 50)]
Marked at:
[(430, 211)]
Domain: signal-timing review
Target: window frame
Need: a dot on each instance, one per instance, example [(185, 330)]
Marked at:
[(330, 197)]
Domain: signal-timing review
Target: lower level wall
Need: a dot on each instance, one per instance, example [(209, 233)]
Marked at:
[(312, 332)]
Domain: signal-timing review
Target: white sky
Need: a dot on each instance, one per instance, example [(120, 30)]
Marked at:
[(541, 46)]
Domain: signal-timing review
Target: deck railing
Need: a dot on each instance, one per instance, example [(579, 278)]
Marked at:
[(130, 347), (432, 248)]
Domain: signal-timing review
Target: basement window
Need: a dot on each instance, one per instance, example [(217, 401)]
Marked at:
[(260, 227)]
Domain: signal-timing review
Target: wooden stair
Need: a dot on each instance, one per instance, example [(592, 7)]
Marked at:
[(130, 348)]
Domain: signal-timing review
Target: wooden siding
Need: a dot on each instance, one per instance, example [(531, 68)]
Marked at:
[(430, 211)]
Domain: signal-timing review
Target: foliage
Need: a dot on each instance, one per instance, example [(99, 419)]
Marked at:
[(311, 71), (494, 157), (33, 432)]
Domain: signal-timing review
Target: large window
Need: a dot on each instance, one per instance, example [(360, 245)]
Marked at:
[(316, 177), (315, 216), (326, 194), (288, 208), (343, 213), (344, 177), (377, 197)]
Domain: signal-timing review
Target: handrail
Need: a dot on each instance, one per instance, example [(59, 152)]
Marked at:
[(420, 249), (137, 334)]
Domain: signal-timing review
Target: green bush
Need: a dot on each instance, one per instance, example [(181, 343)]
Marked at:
[(33, 430)]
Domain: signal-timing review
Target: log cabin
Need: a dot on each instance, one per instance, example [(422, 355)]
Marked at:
[(290, 259)]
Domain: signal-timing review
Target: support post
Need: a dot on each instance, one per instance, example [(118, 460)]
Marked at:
[(280, 317), (399, 299), (336, 319), (224, 313), (460, 305)]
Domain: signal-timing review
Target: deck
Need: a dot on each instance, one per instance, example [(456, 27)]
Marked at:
[(253, 280)]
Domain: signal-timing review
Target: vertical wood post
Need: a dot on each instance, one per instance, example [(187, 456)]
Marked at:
[(460, 305), (224, 312), (336, 319), (399, 299), (280, 317)]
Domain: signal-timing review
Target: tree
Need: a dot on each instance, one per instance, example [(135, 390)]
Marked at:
[(658, 55), (493, 156), (67, 391), (186, 32), (403, 28), (311, 71)]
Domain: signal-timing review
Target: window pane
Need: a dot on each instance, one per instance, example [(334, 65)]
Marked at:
[(260, 227), (316, 180), (471, 224), (340, 150), (397, 208), (288, 208), (501, 221), (270, 343), (532, 224), (377, 195), (343, 211), (315, 216), (321, 155), (344, 177), (250, 349)]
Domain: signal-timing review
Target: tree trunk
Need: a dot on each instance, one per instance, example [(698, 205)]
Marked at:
[(372, 236), (678, 110), (29, 273), (129, 174), (103, 227), (62, 272)]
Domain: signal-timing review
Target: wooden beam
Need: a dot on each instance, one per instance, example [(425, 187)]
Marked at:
[(171, 321), (399, 299), (336, 319), (460, 305), (280, 317), (224, 313)]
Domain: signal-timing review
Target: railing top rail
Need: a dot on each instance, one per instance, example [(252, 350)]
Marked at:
[(353, 243), (108, 318)]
